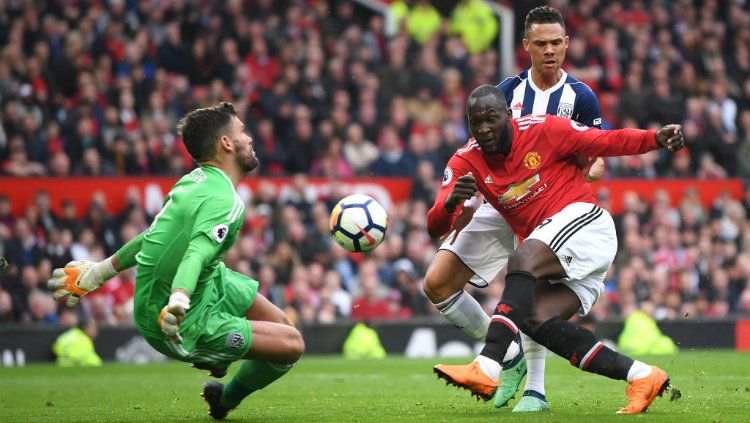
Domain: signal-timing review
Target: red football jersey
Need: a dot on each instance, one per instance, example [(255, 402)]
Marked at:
[(539, 176)]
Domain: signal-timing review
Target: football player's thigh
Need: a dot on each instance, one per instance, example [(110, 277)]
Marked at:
[(552, 300), (275, 342), (264, 310)]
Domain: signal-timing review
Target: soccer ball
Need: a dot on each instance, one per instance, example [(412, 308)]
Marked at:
[(358, 223)]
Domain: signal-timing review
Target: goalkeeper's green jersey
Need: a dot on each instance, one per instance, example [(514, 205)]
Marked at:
[(185, 245)]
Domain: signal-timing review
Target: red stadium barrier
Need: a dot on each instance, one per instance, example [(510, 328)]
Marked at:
[(152, 190), (708, 190), (386, 190), (742, 335)]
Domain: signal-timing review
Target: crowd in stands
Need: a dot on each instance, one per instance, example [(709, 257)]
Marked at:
[(96, 89)]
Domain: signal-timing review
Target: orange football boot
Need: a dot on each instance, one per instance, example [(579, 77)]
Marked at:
[(468, 376), (642, 392)]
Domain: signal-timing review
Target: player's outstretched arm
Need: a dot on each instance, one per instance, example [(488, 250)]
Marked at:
[(81, 277)]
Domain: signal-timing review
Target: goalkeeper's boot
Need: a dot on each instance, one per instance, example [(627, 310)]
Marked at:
[(470, 377), (510, 379), (212, 395), (213, 371), (642, 392), (530, 402)]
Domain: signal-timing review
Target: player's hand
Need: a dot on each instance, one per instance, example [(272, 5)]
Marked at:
[(79, 278), (467, 213), (173, 314), (464, 189), (670, 137)]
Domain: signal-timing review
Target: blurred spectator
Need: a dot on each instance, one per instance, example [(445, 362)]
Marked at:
[(375, 301), (474, 21), (75, 347), (6, 308), (423, 21), (358, 151)]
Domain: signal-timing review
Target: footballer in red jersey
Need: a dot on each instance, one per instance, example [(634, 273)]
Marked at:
[(478, 248), (525, 168)]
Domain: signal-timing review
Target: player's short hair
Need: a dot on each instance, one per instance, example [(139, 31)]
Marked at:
[(484, 90), (542, 15), (201, 128)]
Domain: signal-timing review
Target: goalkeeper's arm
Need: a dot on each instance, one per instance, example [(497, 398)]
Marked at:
[(124, 258), (79, 278), (198, 254)]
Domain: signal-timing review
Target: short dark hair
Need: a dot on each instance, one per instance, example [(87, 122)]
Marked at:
[(542, 15), (484, 90), (202, 127)]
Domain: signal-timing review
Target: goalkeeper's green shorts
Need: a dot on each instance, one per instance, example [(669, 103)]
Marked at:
[(222, 334)]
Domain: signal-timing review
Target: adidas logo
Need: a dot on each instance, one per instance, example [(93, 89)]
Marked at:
[(517, 106), (488, 180), (567, 259)]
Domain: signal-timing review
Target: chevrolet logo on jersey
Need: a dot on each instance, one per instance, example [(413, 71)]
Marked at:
[(519, 190)]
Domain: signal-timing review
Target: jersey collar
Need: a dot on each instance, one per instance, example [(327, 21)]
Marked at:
[(221, 172), (559, 84)]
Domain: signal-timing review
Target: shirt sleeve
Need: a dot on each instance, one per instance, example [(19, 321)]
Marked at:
[(199, 253), (593, 142), (126, 254), (589, 110), (214, 219), (439, 221)]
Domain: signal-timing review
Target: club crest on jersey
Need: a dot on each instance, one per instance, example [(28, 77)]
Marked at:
[(235, 340), (565, 110), (447, 176), (532, 160), (220, 232), (519, 190)]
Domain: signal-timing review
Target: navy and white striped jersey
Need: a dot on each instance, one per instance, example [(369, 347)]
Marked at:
[(569, 98)]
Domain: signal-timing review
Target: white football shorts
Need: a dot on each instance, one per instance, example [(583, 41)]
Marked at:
[(583, 237), (483, 245)]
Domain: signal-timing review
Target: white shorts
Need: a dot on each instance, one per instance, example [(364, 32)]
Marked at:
[(483, 245), (583, 237)]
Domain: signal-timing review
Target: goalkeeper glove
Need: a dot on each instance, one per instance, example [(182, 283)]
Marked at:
[(173, 314), (79, 278)]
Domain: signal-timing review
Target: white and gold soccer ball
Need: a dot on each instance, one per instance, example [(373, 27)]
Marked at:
[(358, 223)]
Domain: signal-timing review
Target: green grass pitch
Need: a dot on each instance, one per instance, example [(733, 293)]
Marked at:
[(715, 388)]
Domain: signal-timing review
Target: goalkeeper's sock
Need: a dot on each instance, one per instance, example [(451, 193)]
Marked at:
[(582, 348), (514, 307), (465, 313), (250, 377)]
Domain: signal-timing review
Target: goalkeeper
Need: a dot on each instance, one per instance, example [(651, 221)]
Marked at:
[(188, 305)]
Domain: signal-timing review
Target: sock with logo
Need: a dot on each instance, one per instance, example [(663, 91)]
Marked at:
[(250, 377), (514, 307), (582, 349)]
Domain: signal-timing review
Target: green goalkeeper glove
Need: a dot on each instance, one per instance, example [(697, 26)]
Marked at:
[(173, 314), (79, 278)]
